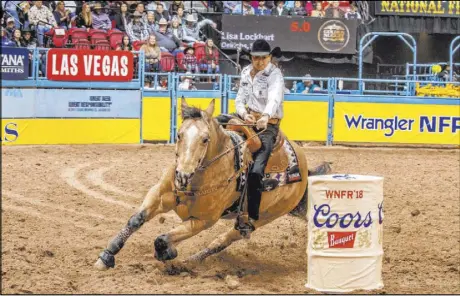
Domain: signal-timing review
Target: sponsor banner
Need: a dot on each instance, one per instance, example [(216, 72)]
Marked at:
[(70, 103), (156, 118), (295, 34), (418, 8), (396, 123), (303, 120), (69, 131), (89, 65), (15, 63)]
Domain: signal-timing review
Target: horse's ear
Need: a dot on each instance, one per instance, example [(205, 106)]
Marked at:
[(210, 109)]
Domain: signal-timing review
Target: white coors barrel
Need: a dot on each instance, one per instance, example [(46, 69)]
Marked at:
[(345, 233)]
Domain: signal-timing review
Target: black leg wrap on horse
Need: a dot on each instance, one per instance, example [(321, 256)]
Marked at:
[(107, 258), (163, 250), (134, 223)]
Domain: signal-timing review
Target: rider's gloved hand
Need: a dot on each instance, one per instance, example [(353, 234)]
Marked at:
[(262, 122), (249, 118)]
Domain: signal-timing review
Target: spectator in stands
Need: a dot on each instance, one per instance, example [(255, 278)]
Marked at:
[(43, 20), (160, 12), (85, 18), (333, 11), (71, 6), (210, 60), (24, 14), (140, 8), (152, 26), (153, 5), (10, 27), (11, 8), (192, 28), (262, 9), (101, 20), (187, 82), (190, 60), (445, 73), (125, 44), (175, 6), (122, 18), (306, 86), (137, 30), (5, 40), (309, 7), (27, 40), (352, 13), (244, 8), (17, 39), (180, 16), (152, 54), (176, 28), (62, 15), (230, 5), (318, 11), (280, 9), (166, 39), (299, 10)]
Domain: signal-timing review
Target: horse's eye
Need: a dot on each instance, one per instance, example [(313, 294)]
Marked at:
[(205, 140)]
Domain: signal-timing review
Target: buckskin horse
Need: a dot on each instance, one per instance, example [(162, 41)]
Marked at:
[(204, 185)]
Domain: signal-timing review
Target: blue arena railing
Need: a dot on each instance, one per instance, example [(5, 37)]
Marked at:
[(452, 50)]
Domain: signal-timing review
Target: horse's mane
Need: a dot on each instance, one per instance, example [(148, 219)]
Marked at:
[(191, 112)]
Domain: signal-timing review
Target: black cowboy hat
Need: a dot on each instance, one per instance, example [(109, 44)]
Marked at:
[(260, 47)]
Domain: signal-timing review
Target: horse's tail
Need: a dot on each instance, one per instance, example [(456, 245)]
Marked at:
[(301, 209)]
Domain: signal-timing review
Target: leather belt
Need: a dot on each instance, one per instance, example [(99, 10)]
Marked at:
[(258, 115)]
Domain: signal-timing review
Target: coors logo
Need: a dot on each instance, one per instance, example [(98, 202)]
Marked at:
[(341, 240)]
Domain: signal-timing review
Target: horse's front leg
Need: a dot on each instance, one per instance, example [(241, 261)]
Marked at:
[(165, 243), (159, 199)]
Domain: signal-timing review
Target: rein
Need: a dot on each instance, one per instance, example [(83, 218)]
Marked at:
[(189, 193), (203, 167)]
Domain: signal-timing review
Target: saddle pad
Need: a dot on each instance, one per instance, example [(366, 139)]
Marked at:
[(270, 180)]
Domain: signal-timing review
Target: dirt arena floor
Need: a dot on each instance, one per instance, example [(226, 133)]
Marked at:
[(61, 204)]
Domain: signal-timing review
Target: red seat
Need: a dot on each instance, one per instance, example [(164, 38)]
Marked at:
[(102, 45), (167, 62), (97, 35), (115, 38), (58, 39), (77, 33), (197, 45), (82, 44), (137, 44), (180, 61)]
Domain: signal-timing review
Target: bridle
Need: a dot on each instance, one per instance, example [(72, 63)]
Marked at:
[(189, 192)]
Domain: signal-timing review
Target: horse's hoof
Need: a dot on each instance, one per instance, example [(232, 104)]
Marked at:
[(163, 249), (99, 265), (106, 260)]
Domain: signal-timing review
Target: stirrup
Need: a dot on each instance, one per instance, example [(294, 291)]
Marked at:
[(245, 228)]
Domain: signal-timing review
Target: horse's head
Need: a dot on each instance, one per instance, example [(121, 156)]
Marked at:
[(193, 141)]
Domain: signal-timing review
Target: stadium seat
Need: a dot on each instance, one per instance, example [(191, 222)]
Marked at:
[(97, 35), (77, 33), (59, 37), (102, 45), (167, 62), (82, 44), (137, 44), (180, 61), (115, 38)]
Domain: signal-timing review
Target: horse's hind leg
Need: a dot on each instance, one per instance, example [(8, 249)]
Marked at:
[(158, 200)]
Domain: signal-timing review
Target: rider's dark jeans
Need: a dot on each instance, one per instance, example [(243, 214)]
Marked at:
[(268, 139)]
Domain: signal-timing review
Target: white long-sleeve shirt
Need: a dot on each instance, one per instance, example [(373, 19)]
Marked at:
[(264, 94)]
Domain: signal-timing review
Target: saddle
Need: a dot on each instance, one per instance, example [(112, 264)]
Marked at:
[(278, 161)]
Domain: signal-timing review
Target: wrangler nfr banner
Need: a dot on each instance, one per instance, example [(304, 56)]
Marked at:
[(418, 8), (294, 34)]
